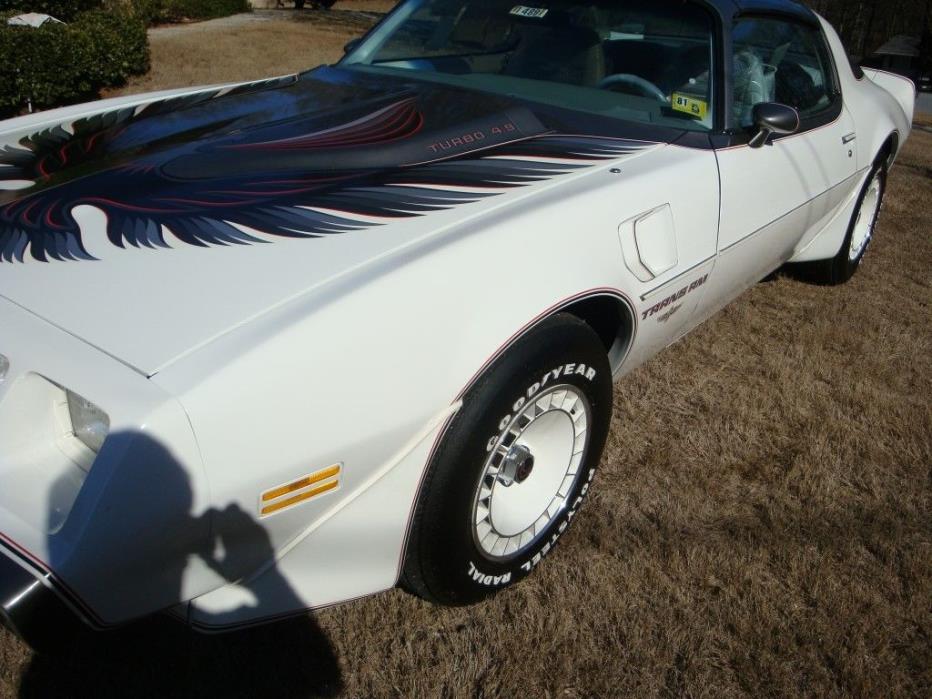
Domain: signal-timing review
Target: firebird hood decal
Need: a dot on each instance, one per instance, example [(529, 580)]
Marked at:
[(228, 167)]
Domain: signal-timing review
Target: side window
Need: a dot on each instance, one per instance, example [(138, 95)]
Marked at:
[(780, 61)]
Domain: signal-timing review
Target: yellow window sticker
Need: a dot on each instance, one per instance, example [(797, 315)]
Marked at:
[(690, 105)]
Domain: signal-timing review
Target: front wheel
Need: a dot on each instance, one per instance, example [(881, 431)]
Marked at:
[(514, 466)]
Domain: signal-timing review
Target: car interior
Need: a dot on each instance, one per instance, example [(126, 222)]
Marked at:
[(640, 55), (641, 60), (778, 62)]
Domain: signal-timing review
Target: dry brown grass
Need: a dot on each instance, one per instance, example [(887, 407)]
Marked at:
[(224, 55), (251, 47), (762, 525)]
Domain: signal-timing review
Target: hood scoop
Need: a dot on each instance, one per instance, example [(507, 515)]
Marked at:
[(396, 136)]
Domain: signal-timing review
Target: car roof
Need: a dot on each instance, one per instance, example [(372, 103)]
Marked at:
[(728, 8)]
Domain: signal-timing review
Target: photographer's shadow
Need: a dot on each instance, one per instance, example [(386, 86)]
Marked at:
[(162, 657)]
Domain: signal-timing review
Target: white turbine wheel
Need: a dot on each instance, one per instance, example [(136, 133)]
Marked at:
[(531, 471), (867, 219)]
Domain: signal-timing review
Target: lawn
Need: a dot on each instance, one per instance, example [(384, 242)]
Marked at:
[(762, 524), (249, 47)]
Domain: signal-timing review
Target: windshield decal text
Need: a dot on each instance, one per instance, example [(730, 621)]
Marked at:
[(530, 12)]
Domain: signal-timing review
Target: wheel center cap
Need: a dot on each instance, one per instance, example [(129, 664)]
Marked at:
[(517, 466), (524, 469)]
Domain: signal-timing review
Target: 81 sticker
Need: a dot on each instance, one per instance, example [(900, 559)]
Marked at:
[(690, 105)]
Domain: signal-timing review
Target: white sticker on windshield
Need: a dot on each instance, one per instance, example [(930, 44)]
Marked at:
[(533, 12)]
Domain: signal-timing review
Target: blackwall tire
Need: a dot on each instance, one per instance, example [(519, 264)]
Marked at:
[(513, 467)]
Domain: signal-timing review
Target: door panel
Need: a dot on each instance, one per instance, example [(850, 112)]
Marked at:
[(777, 195), (785, 61), (761, 186), (772, 198)]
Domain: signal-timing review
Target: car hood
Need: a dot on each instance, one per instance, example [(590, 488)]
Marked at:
[(148, 229)]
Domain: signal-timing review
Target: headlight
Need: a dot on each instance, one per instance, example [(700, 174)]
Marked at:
[(90, 423), (4, 367)]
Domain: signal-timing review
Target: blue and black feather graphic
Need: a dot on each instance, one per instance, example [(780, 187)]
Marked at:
[(159, 188)]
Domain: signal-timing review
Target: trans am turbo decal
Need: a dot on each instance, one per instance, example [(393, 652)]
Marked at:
[(669, 314), (672, 299), (158, 187)]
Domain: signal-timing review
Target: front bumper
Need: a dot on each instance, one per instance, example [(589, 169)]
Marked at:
[(31, 607)]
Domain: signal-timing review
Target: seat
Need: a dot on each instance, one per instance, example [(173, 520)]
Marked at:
[(749, 86), (481, 31), (689, 64), (796, 88), (563, 54), (643, 58)]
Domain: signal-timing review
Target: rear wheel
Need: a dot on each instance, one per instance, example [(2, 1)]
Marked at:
[(514, 466), (842, 267)]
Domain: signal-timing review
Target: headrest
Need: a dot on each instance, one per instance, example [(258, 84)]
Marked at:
[(481, 30)]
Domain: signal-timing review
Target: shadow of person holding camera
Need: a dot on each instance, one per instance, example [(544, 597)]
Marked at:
[(161, 656)]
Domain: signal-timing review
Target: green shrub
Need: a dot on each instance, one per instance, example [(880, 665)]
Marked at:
[(152, 11), (44, 67), (60, 64), (120, 46), (149, 11), (65, 10), (175, 10)]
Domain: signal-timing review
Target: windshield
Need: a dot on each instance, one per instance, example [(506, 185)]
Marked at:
[(637, 60)]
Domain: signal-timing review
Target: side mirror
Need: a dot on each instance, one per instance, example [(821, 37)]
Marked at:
[(773, 119), (351, 45)]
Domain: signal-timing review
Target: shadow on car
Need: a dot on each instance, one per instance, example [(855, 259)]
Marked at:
[(162, 657)]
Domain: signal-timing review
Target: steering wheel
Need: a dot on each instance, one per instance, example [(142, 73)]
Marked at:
[(643, 86)]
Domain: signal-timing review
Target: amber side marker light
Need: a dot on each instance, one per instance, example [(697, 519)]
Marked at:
[(300, 490)]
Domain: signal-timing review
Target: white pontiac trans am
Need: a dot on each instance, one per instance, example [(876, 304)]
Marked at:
[(274, 346)]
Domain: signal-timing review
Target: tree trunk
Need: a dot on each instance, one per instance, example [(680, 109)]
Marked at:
[(869, 29)]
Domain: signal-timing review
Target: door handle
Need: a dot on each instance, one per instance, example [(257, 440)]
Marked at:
[(849, 138)]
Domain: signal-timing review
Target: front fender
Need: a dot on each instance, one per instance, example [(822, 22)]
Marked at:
[(348, 373)]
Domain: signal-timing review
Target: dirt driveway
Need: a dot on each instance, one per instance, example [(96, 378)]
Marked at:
[(347, 15)]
